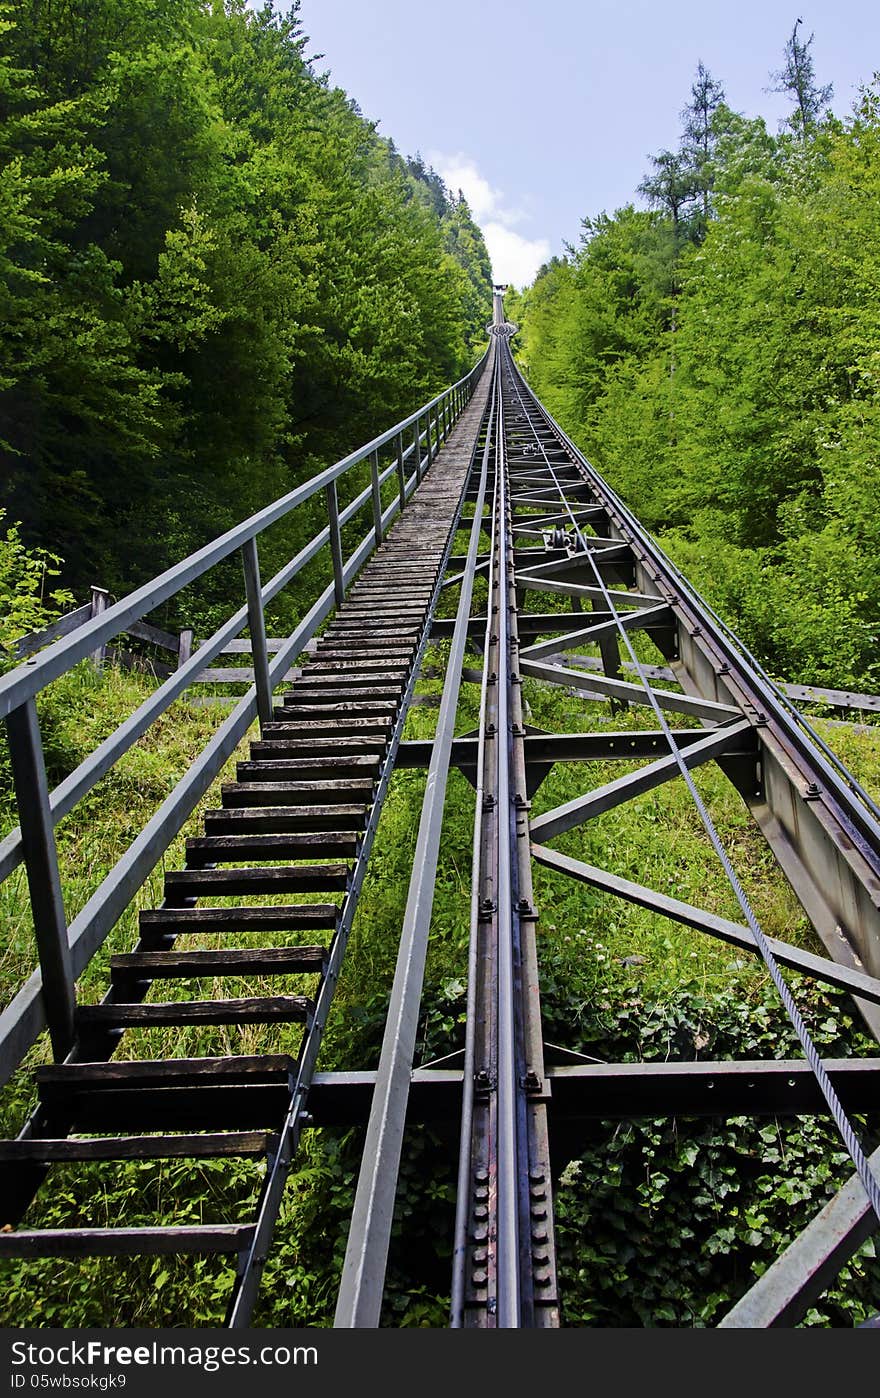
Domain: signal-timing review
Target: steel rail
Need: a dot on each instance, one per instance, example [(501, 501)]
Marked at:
[(870, 1182), (359, 1301), (502, 1273), (539, 1305), (509, 1145), (463, 1199)]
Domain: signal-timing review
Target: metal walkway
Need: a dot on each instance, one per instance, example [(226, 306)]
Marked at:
[(293, 837)]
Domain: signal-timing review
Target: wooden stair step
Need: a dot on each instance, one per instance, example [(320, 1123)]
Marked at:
[(388, 616), (132, 1109), (344, 726), (348, 645), (346, 619), (204, 1145), (392, 582), (383, 595), (334, 691), (255, 1009), (242, 849), (226, 961), (239, 1092), (338, 711), (111, 1074), (333, 656), (380, 629), (278, 820), (276, 749), (345, 791), (127, 1242), (386, 677), (220, 883), (417, 578), (391, 574), (314, 767), (289, 917), (361, 640)]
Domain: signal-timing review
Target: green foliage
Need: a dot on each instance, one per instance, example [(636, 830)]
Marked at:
[(26, 602), (669, 1221), (727, 384)]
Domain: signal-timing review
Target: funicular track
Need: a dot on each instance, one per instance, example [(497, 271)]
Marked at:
[(554, 528), (298, 824)]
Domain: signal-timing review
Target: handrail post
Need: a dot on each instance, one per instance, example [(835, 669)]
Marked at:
[(44, 880), (417, 437), (377, 496), (401, 471), (98, 605), (335, 543), (184, 646), (428, 438), (257, 625)]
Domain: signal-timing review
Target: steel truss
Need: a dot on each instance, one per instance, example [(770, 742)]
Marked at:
[(555, 528), (541, 522)]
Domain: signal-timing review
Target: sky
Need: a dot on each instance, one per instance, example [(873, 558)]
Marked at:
[(545, 112)]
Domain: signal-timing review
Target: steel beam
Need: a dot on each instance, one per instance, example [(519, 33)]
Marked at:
[(821, 968), (622, 689), (615, 793)]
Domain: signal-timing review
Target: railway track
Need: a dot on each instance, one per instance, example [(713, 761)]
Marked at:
[(292, 837)]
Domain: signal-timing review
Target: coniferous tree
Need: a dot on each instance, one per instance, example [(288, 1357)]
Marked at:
[(757, 460), (700, 136), (797, 78), (673, 185)]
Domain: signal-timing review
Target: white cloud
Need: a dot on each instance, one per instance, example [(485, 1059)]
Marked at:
[(515, 258), (459, 172)]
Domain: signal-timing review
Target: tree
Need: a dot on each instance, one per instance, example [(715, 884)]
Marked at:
[(797, 78), (673, 185), (700, 135)]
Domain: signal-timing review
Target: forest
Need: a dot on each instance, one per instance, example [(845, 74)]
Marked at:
[(215, 278), (716, 354)]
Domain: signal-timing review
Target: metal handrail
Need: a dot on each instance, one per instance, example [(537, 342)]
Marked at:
[(48, 997)]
